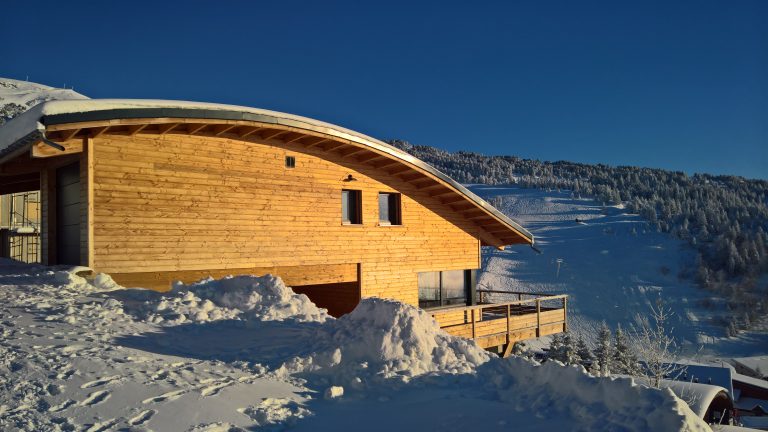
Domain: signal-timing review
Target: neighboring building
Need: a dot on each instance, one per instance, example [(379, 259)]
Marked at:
[(710, 402), (157, 191), (20, 225)]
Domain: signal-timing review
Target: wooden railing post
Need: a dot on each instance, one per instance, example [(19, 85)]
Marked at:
[(538, 318), (509, 312), (473, 323), (565, 314)]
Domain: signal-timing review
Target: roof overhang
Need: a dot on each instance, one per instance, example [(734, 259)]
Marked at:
[(72, 119)]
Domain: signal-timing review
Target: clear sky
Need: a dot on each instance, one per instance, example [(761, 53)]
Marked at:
[(680, 85)]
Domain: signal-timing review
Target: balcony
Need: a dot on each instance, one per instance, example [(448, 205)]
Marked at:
[(519, 316)]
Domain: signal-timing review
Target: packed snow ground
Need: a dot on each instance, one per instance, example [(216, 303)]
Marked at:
[(246, 353), (611, 264)]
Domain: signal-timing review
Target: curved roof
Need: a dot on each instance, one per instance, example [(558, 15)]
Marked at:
[(82, 117), (698, 396)]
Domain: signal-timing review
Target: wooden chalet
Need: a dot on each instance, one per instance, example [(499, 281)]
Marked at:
[(158, 191)]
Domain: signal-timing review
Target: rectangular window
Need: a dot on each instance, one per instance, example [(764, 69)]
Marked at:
[(389, 208), (429, 289), (445, 288), (351, 207), (290, 162)]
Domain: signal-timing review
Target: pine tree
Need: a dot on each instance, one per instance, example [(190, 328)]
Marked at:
[(556, 351), (583, 352), (604, 351), (570, 353), (624, 359)]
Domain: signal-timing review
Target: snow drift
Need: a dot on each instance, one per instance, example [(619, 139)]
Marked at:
[(382, 351)]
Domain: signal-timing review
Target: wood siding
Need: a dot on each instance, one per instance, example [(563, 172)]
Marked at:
[(175, 203)]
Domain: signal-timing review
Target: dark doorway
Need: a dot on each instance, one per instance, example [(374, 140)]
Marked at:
[(68, 214)]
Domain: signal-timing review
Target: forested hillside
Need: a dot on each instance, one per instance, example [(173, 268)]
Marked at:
[(724, 218)]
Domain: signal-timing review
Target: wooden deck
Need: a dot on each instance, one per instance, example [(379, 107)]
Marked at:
[(502, 323)]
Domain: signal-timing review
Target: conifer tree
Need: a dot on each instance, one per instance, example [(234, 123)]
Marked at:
[(604, 351), (624, 358)]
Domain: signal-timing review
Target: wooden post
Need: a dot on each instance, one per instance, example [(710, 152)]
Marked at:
[(565, 314), (538, 318), (509, 310), (473, 323)]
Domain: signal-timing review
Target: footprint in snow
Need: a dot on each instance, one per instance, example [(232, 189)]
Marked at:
[(100, 382), (62, 406), (142, 417), (96, 398), (170, 396)]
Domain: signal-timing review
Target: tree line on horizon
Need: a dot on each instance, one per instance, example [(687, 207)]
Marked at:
[(723, 218)]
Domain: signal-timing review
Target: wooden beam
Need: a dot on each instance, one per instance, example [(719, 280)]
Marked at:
[(371, 157), (296, 138), (96, 132), (69, 134), (334, 145), (274, 134), (41, 150), (401, 169), (444, 193), (134, 129), (387, 163), (250, 132), (317, 142), (410, 176), (457, 198), (354, 151), (165, 128), (222, 129), (434, 186)]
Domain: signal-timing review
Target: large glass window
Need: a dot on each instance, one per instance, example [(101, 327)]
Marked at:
[(445, 288), (389, 208), (351, 210), (429, 289)]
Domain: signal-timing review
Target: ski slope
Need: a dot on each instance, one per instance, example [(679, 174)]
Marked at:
[(611, 264)]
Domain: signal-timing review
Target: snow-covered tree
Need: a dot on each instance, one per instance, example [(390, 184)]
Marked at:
[(584, 353), (624, 358), (603, 351), (653, 341)]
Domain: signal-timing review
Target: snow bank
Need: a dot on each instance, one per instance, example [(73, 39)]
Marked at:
[(382, 352), (258, 298), (382, 340), (593, 403), (264, 298)]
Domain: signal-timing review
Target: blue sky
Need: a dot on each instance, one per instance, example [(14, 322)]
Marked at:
[(679, 85)]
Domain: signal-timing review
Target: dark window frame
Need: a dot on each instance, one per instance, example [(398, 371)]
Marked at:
[(394, 216), (290, 161), (354, 216)]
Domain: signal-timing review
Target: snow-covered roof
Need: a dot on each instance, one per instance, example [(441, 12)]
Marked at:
[(752, 404), (29, 127), (704, 374), (751, 381), (698, 396)]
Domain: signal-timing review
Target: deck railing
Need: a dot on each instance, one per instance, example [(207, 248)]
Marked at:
[(506, 322)]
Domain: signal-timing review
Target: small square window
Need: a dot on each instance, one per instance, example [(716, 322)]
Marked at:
[(389, 209), (290, 162), (351, 207)]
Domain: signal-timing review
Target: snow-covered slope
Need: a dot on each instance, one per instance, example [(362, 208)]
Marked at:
[(611, 264), (246, 352), (18, 96)]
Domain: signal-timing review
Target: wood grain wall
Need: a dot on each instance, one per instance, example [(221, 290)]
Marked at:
[(176, 203)]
